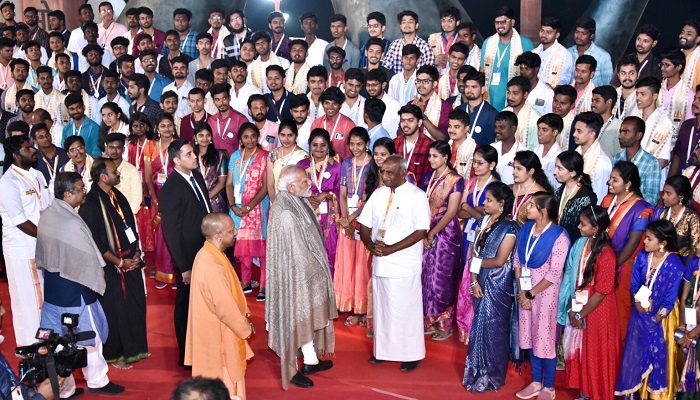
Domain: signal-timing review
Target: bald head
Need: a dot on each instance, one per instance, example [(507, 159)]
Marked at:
[(214, 223)]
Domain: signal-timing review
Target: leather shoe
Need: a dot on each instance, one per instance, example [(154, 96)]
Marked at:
[(110, 389), (301, 381), (374, 360), (409, 365), (323, 365)]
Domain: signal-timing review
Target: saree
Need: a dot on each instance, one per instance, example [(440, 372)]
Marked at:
[(687, 227), (486, 364), (441, 261), (280, 162), (252, 228), (353, 260), (646, 353), (165, 270), (690, 379), (632, 216), (465, 308), (144, 215), (329, 213), (211, 174), (595, 369)]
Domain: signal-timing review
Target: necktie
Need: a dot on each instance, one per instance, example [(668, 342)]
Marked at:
[(199, 195)]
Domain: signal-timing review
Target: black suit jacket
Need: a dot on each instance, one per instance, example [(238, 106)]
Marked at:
[(182, 218)]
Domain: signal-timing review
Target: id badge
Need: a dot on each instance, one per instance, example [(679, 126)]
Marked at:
[(496, 78), (17, 394), (130, 234), (339, 136), (357, 235), (691, 317), (323, 207), (270, 139), (642, 296), (580, 300), (475, 265), (381, 232), (471, 235), (161, 178), (526, 281), (237, 192), (352, 202)]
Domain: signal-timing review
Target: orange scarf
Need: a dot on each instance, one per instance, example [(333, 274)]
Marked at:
[(236, 291)]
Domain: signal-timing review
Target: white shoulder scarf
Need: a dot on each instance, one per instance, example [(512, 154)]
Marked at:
[(555, 64), (525, 135), (463, 159), (432, 111), (630, 107), (296, 83), (678, 106), (584, 103), (11, 97), (659, 129), (257, 72), (591, 158), (516, 48), (444, 90)]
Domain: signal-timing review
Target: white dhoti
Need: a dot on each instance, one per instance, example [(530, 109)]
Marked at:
[(398, 318), (26, 286)]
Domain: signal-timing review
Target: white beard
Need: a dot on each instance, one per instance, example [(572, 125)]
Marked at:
[(306, 193)]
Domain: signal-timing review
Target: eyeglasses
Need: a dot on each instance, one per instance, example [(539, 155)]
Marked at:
[(374, 26), (237, 19), (666, 65), (79, 189), (106, 11), (424, 81), (501, 22), (148, 60), (480, 163), (74, 150), (216, 17), (118, 147)]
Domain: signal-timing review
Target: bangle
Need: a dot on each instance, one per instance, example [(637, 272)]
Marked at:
[(686, 336), (471, 285), (121, 263)]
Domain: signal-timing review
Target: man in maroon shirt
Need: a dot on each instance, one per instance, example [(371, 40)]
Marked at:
[(227, 121), (413, 145), (195, 98), (337, 124)]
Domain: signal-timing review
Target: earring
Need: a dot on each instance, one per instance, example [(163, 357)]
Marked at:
[(662, 247), (500, 209), (627, 189)]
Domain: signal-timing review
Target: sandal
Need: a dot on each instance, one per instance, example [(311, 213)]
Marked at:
[(441, 335), (352, 320), (430, 330), (121, 365), (363, 321)]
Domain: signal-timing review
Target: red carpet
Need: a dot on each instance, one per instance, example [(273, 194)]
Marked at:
[(352, 377)]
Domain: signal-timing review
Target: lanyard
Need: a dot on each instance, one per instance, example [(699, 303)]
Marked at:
[(519, 204), (52, 169), (36, 188), (222, 134), (5, 75), (447, 44), (565, 198), (115, 203), (139, 155), (582, 262), (355, 178), (203, 166), (410, 155), (695, 290), (205, 119), (79, 129), (690, 149), (479, 232), (388, 206), (280, 44), (245, 164), (183, 44), (285, 158), (318, 180), (476, 194), (678, 217), (167, 158), (528, 249), (481, 107), (432, 183), (107, 33), (613, 208), (150, 89), (499, 57), (325, 125), (95, 86), (644, 64), (653, 271)]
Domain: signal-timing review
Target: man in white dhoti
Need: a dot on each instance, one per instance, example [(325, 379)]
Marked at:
[(24, 194), (393, 223)]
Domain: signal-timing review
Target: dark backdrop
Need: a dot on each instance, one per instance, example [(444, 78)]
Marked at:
[(666, 15)]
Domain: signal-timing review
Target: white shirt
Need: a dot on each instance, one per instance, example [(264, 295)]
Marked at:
[(197, 191), (567, 69), (316, 52), (356, 112), (240, 102), (541, 97), (121, 102), (107, 59), (138, 68), (402, 90), (409, 212), (505, 161), (183, 108), (548, 162), (77, 41), (304, 134), (391, 118), (315, 111), (23, 196)]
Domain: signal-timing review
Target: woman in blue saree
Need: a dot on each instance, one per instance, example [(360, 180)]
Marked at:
[(656, 278), (493, 290)]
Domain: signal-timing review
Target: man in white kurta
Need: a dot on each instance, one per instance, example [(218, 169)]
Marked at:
[(394, 222), (24, 194)]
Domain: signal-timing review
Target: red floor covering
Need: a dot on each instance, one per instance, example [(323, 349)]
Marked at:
[(438, 377)]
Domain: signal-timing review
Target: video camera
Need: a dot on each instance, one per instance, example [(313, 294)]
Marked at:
[(42, 361)]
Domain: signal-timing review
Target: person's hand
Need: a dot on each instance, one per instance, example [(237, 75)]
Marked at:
[(130, 264), (252, 328), (419, 102), (578, 324), (314, 200), (237, 210), (45, 389), (427, 242), (186, 276), (684, 341), (477, 291), (349, 232), (639, 307), (521, 297), (526, 305), (441, 60), (384, 249)]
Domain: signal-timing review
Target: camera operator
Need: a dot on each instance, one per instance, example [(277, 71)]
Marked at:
[(73, 278)]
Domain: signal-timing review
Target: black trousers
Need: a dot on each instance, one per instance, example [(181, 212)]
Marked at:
[(182, 309)]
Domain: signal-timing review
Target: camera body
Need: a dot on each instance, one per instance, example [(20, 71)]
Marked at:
[(45, 355)]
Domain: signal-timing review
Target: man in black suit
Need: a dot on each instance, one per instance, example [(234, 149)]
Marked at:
[(184, 201)]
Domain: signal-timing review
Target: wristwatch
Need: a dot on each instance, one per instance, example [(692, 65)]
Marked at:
[(578, 317), (529, 295)]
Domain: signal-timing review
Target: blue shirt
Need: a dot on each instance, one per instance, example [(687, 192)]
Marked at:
[(497, 93), (89, 131), (376, 133), (604, 69), (482, 128), (157, 85), (282, 105), (649, 172)]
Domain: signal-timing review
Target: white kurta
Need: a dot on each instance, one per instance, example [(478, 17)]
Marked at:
[(396, 278)]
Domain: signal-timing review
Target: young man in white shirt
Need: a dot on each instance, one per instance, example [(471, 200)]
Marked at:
[(541, 94), (596, 163), (505, 127), (548, 128), (241, 90)]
